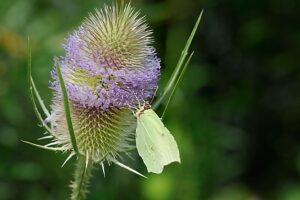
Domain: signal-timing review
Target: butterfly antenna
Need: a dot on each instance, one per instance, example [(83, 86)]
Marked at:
[(137, 99), (154, 94)]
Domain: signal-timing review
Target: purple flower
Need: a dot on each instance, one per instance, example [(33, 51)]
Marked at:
[(109, 68), (109, 62)]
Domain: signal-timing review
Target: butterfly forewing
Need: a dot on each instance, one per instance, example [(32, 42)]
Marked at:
[(155, 144)]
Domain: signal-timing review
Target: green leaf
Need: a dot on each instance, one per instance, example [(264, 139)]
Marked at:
[(39, 116), (41, 102), (176, 84), (30, 85), (43, 147), (179, 66), (67, 109)]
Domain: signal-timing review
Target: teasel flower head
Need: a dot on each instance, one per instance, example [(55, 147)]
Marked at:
[(108, 69)]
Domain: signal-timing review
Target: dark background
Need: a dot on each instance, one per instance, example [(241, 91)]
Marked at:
[(235, 116)]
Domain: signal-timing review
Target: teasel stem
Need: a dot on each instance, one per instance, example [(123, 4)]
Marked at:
[(82, 175)]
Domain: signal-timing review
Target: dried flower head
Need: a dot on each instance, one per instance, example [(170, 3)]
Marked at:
[(109, 67)]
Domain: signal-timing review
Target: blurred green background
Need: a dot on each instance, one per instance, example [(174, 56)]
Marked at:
[(236, 115)]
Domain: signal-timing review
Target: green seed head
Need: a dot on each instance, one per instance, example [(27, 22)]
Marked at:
[(98, 134)]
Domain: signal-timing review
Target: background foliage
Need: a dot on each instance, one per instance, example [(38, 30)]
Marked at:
[(235, 117)]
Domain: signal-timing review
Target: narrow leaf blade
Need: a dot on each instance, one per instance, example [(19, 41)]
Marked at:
[(176, 84), (43, 147), (179, 65), (67, 109), (41, 102), (30, 88), (31, 83)]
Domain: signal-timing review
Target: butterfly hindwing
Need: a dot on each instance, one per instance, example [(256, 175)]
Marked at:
[(155, 144)]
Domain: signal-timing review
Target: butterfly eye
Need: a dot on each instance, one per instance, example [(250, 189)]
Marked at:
[(147, 105)]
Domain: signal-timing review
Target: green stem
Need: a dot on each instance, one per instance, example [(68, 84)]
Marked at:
[(82, 176)]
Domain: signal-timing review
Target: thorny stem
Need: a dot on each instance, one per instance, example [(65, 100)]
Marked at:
[(82, 177)]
